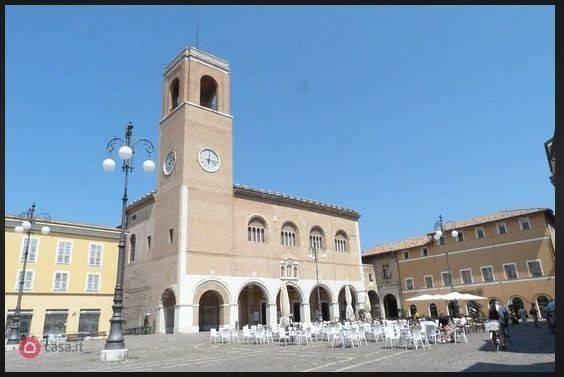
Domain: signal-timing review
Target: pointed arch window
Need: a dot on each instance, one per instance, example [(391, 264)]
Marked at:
[(316, 238), (341, 241)]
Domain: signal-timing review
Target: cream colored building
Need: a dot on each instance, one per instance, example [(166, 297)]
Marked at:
[(507, 255), (203, 251), (70, 277)]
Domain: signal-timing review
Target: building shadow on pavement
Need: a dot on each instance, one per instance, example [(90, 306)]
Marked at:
[(525, 340), (495, 367)]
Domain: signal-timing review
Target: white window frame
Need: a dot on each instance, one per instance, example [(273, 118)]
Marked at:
[(22, 250), (57, 252), (55, 281), (462, 278), (99, 282), (482, 272), (404, 253), (497, 228), (516, 270), (18, 279), (521, 224), (101, 254), (476, 232), (540, 265), (422, 251), (443, 280), (425, 281), (412, 284)]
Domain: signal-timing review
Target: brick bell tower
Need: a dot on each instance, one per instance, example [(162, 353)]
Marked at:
[(194, 203)]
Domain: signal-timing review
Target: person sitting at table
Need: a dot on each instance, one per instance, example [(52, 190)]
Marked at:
[(414, 321), (446, 328)]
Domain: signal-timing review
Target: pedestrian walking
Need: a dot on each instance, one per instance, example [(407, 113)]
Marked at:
[(534, 312), (523, 315)]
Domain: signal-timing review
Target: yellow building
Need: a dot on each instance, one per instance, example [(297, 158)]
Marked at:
[(70, 277)]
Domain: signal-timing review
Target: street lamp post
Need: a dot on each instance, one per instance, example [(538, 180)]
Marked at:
[(115, 350), (28, 220), (313, 254), (439, 228)]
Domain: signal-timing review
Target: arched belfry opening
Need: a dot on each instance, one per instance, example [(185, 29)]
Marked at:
[(174, 94), (208, 92)]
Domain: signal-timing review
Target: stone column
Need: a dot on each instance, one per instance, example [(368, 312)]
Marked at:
[(305, 313), (161, 329), (184, 319), (334, 311), (271, 314), (234, 317)]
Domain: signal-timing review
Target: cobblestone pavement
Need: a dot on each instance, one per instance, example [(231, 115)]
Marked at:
[(530, 350)]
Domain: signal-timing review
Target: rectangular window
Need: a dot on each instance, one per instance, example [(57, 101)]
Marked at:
[(370, 277), (28, 282), (510, 271), (447, 279), (386, 271), (524, 223), (55, 322), (64, 252), (88, 321), (95, 255), (61, 281), (429, 281), (406, 254), (466, 276), (170, 235), (442, 240), (487, 274), (480, 233), (501, 228), (31, 253), (148, 242), (535, 269), (460, 237), (93, 282), (409, 284), (25, 322), (424, 252)]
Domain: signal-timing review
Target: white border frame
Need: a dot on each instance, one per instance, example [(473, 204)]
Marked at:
[(55, 280), (529, 270), (425, 282), (516, 270), (497, 228), (412, 284), (99, 282), (528, 220), (462, 277), (482, 273), (101, 254), (22, 251), (165, 173), (214, 152), (476, 232), (70, 253), (18, 280), (458, 235)]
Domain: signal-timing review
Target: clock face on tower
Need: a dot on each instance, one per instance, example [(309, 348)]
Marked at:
[(209, 160), (169, 163)]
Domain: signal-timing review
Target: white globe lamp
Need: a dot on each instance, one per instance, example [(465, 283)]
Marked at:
[(438, 235), (26, 225), (108, 165), (45, 230), (19, 229), (125, 152), (148, 166), (454, 234)]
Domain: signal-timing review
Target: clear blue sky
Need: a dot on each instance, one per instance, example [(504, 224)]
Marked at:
[(401, 113)]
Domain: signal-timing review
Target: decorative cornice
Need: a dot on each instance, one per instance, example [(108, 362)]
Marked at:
[(196, 54)]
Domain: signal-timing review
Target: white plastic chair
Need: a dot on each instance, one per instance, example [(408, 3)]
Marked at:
[(235, 335), (432, 332), (418, 336), (224, 334), (283, 336), (214, 335), (460, 334), (391, 336), (247, 335)]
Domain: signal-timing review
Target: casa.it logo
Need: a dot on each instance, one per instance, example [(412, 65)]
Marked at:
[(30, 347)]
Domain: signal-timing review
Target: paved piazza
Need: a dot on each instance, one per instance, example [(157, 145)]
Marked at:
[(530, 350)]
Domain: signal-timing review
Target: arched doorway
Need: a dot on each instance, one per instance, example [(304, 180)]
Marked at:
[(295, 303), (433, 311), (325, 299), (169, 301), (252, 305), (412, 310), (390, 306), (516, 304), (542, 302), (208, 316), (343, 302), (374, 304)]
